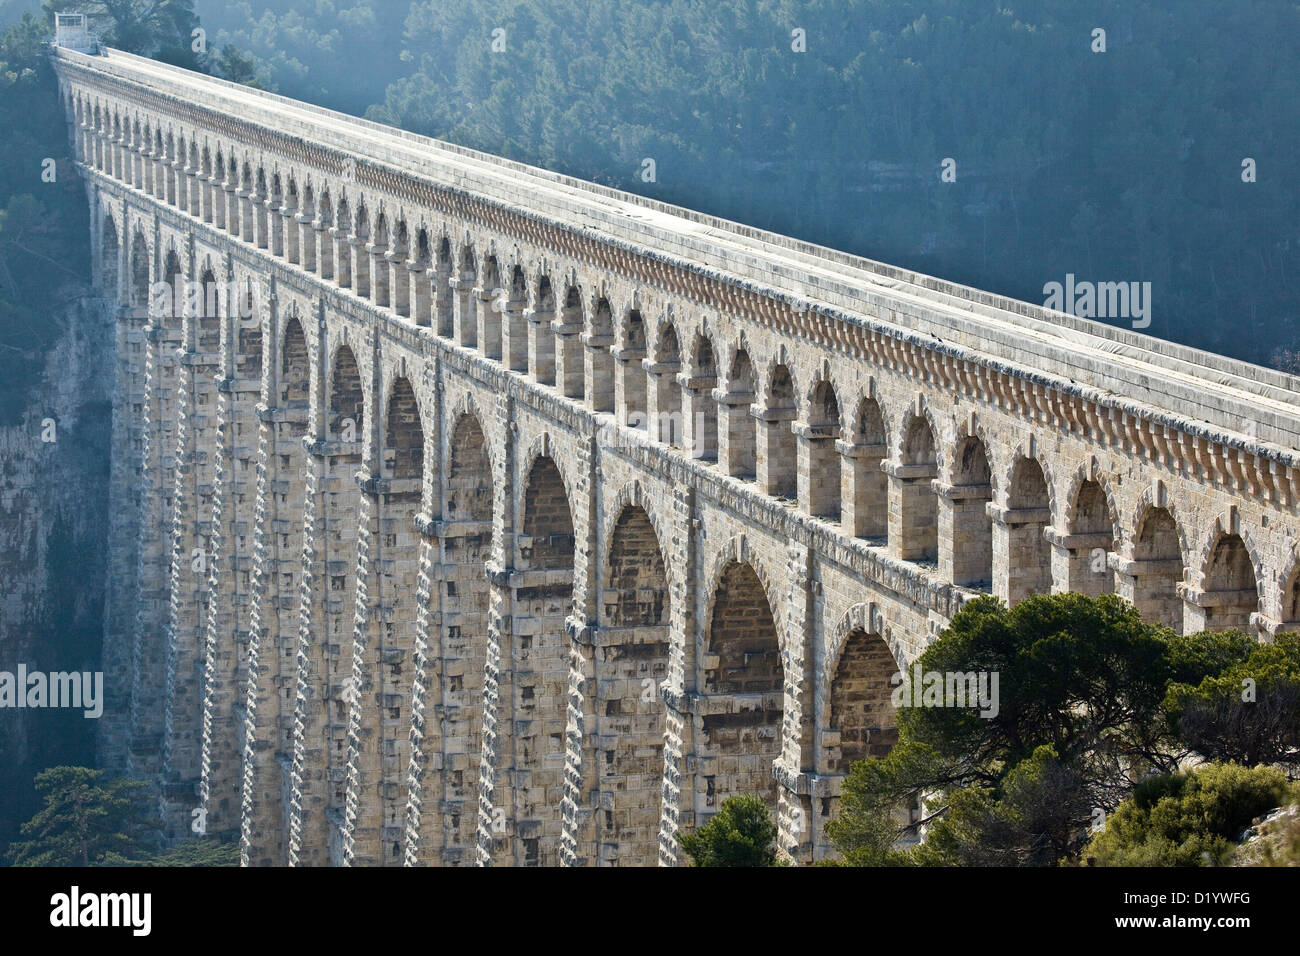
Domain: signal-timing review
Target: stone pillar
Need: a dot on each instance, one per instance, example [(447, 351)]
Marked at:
[(361, 267), (514, 335), (1081, 562), (341, 267), (226, 636), (680, 692), (568, 353), (199, 362), (965, 536), (736, 446), (864, 492), (304, 245), (495, 840), (541, 346), (464, 322), (700, 416), (121, 584), (663, 402), (819, 481), (1021, 560), (377, 261), (157, 480), (598, 371), (488, 310), (777, 476), (324, 649), (260, 210), (274, 217), (1144, 583), (913, 511), (795, 769), (382, 660), (629, 387), (421, 293), (398, 268), (428, 770)]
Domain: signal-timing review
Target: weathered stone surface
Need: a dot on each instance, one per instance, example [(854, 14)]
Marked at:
[(561, 515)]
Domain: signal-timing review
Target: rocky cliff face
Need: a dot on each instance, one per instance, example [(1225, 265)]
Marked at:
[(54, 467)]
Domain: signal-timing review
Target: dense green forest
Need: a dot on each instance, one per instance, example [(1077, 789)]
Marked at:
[(1123, 165)]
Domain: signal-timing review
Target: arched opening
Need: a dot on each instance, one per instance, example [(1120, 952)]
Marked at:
[(665, 393), (568, 346), (1291, 599), (1029, 558), (342, 233), (866, 498), (599, 374), (466, 545), (490, 307), (863, 721), (208, 337), (631, 373), (745, 665), (248, 362), (108, 259), (820, 481), (466, 321), (403, 435), (139, 271), (542, 601), (469, 475), (1232, 594), (347, 410), (379, 291), (1158, 569), (171, 314), (633, 655), (541, 337), (701, 413), (777, 454), (917, 506), (295, 374), (514, 330), (444, 298), (548, 523), (737, 445), (969, 531), (1091, 541)]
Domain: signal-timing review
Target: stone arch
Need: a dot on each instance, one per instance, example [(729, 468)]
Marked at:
[(208, 331), (777, 464), (1158, 566), (865, 495), (347, 398), (861, 713), (1027, 515), (819, 475), (918, 511), (737, 440), (635, 655), (967, 528), (403, 449), (569, 372), (469, 489), (599, 373), (140, 256), (665, 394), (744, 664), (701, 415), (547, 516), (172, 314), (1230, 574), (1092, 532), (632, 376), (295, 367)]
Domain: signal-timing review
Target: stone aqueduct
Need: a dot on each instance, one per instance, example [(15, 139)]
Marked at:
[(526, 520)]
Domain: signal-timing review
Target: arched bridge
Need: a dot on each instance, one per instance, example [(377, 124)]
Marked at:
[(466, 513)]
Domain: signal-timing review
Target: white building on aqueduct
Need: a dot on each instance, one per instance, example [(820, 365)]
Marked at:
[(488, 516)]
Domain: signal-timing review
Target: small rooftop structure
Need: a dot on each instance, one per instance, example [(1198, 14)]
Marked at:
[(72, 30)]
